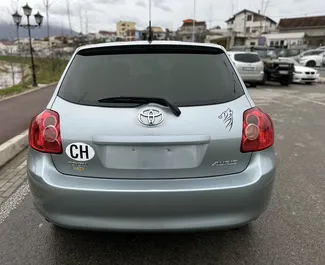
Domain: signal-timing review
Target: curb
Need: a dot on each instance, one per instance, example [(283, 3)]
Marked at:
[(13, 147), (28, 91)]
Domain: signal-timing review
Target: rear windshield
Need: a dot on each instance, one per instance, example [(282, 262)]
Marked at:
[(247, 58), (187, 76)]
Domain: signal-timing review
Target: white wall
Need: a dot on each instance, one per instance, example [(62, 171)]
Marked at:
[(239, 24)]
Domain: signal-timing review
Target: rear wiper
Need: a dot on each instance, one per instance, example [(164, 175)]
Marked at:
[(143, 100)]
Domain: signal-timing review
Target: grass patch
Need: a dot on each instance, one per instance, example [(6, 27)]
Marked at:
[(17, 89), (47, 71)]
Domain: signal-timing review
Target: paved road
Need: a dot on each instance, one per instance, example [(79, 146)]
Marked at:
[(322, 72), (16, 112), (290, 232)]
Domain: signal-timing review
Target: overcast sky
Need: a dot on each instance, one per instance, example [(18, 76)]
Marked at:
[(103, 14)]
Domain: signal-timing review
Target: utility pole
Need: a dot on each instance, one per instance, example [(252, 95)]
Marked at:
[(265, 4), (47, 5), (193, 32), (69, 16), (210, 15)]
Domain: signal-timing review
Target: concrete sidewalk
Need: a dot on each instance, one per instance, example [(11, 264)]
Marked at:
[(12, 175)]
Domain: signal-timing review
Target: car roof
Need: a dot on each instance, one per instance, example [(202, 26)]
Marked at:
[(132, 43), (313, 50), (242, 52)]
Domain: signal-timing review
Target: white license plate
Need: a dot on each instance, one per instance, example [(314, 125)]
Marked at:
[(248, 68), (283, 72), (152, 157)]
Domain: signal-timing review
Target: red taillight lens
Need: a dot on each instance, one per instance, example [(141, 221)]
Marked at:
[(44, 132), (258, 131)]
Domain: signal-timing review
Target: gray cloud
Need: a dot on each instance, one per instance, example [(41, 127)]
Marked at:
[(141, 3), (103, 14), (161, 5)]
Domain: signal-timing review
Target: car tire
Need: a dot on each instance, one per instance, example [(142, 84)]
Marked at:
[(284, 82), (253, 84), (262, 83), (311, 64), (309, 83)]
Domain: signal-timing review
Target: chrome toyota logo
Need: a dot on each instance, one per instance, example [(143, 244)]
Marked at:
[(151, 117)]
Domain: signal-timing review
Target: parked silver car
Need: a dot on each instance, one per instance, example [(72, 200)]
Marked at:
[(151, 136), (250, 66)]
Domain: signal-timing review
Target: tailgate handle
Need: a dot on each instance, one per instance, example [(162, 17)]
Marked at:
[(152, 140)]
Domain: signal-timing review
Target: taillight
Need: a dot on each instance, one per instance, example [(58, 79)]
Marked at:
[(44, 132), (258, 131)]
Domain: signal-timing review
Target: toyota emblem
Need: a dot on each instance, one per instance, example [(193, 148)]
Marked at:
[(151, 117)]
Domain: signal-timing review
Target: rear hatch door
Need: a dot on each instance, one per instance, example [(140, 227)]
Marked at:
[(130, 140)]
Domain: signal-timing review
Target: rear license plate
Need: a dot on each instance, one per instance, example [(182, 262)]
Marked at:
[(153, 157), (283, 72), (248, 68)]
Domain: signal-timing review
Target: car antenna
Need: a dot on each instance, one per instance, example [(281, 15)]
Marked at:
[(150, 28)]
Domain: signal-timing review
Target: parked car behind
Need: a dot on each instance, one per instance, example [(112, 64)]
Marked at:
[(250, 67), (293, 53), (274, 70), (303, 74), (312, 58), (151, 136)]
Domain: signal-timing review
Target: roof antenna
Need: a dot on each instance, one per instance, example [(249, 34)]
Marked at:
[(150, 28)]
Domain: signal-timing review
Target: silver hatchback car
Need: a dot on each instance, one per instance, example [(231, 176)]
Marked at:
[(151, 136), (250, 67)]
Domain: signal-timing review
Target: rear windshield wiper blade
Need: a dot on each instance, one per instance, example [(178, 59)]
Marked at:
[(143, 100)]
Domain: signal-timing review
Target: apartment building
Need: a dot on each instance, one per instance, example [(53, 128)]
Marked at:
[(122, 27)]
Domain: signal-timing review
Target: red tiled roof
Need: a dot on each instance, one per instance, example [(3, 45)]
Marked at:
[(188, 22), (302, 22)]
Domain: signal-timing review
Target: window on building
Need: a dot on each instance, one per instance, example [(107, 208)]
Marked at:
[(272, 43), (249, 18), (123, 25), (248, 30), (253, 43)]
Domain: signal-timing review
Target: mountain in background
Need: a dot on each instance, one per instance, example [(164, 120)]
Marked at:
[(8, 31)]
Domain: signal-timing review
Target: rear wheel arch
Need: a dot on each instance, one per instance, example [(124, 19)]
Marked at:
[(311, 63)]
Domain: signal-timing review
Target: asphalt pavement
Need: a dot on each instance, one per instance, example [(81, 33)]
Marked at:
[(291, 231), (17, 112), (321, 71)]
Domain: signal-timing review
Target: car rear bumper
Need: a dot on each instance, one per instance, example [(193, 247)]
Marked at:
[(256, 77), (174, 204)]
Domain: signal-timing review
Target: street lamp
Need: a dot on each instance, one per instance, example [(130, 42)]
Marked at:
[(39, 20)]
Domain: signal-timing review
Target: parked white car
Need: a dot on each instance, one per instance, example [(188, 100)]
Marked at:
[(250, 67), (312, 58), (302, 74)]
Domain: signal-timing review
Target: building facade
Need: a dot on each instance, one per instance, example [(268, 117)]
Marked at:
[(122, 28), (185, 32), (246, 27), (313, 27)]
